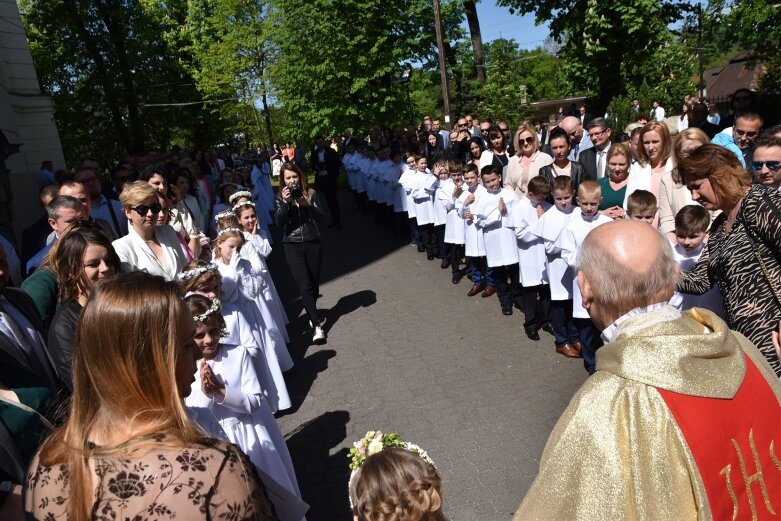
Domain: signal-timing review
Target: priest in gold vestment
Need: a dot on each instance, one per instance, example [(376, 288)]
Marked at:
[(682, 419)]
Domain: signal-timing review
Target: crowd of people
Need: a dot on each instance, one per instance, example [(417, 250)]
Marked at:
[(141, 314)]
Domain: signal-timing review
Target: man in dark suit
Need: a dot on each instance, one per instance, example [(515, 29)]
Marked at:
[(585, 117), (34, 236), (29, 384), (594, 159), (326, 164)]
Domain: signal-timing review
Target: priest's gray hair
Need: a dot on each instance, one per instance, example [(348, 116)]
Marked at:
[(622, 288)]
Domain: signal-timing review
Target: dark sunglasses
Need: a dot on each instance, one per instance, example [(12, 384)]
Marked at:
[(143, 209), (773, 166), (529, 140)]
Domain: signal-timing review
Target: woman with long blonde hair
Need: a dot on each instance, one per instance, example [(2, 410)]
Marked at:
[(654, 161), (128, 448)]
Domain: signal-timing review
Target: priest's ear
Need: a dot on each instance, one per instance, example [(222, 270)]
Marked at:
[(586, 290)]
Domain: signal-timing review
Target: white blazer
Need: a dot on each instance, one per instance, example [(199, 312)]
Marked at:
[(136, 255)]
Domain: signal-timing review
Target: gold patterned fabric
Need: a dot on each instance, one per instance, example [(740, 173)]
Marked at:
[(617, 452)]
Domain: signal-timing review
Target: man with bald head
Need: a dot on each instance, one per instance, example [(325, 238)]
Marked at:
[(578, 141), (680, 420)]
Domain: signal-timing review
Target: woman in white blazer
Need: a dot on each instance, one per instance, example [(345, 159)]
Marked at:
[(148, 246), (654, 161)]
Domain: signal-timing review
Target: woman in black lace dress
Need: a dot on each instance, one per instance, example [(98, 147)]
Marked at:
[(128, 449), (743, 253)]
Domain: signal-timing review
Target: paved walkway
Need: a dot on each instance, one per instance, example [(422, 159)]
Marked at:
[(409, 352)]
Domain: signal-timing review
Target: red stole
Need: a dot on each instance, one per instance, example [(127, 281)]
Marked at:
[(736, 445)]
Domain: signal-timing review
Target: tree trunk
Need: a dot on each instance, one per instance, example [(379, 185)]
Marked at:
[(477, 39)]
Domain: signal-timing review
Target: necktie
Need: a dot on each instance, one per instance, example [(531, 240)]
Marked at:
[(600, 165)]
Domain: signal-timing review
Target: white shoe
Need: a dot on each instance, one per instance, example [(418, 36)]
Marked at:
[(319, 336)]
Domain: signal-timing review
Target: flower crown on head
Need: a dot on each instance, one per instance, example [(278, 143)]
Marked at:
[(211, 268), (375, 442), (226, 230), (237, 195), (214, 308), (223, 214), (242, 205)]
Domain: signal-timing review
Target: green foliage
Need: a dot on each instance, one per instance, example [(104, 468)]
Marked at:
[(755, 25), (104, 62), (611, 45), (339, 62)]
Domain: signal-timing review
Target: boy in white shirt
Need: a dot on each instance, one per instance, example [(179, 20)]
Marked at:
[(691, 234), (405, 184), (535, 291), (454, 224), (424, 184), (641, 205), (569, 242), (441, 170), (493, 211), (549, 228), (474, 243)]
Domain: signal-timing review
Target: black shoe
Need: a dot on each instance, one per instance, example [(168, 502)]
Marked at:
[(548, 329), (457, 276), (421, 249), (532, 335), (507, 311), (430, 256), (445, 264)]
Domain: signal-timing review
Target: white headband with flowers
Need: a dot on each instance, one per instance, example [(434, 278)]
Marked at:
[(211, 268), (223, 214), (237, 195), (374, 442)]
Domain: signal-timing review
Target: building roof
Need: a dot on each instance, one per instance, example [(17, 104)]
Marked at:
[(721, 82)]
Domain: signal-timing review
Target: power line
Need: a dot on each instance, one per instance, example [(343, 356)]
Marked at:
[(188, 103)]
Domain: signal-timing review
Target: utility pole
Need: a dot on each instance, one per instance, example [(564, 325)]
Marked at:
[(699, 51), (442, 66)]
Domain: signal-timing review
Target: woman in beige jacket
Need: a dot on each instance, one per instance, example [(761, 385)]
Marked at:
[(527, 161), (673, 195)]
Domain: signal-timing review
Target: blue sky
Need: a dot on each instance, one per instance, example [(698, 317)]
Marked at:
[(497, 22)]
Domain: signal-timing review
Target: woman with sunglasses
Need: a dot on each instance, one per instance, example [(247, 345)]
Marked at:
[(527, 161), (148, 246), (81, 257)]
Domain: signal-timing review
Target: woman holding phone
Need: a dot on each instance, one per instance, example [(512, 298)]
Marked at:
[(297, 211)]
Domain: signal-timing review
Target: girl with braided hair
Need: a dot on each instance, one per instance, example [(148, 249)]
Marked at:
[(396, 484)]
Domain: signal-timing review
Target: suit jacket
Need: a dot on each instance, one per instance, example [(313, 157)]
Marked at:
[(9, 353), (331, 162), (34, 238), (588, 158)]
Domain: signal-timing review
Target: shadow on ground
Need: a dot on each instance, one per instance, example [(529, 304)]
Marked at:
[(310, 448)]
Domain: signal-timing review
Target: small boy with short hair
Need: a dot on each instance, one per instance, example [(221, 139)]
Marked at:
[(548, 229), (569, 243), (535, 292), (449, 193), (493, 211), (641, 206), (474, 242), (443, 186), (691, 234), (424, 184)]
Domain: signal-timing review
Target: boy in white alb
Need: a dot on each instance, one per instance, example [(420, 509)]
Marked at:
[(474, 242), (569, 242), (424, 184), (691, 233), (399, 197), (549, 228), (493, 211), (444, 189), (406, 185), (535, 291), (454, 224)]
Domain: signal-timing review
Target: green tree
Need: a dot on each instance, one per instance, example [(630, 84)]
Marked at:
[(225, 45), (339, 62), (610, 45), (107, 68)]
